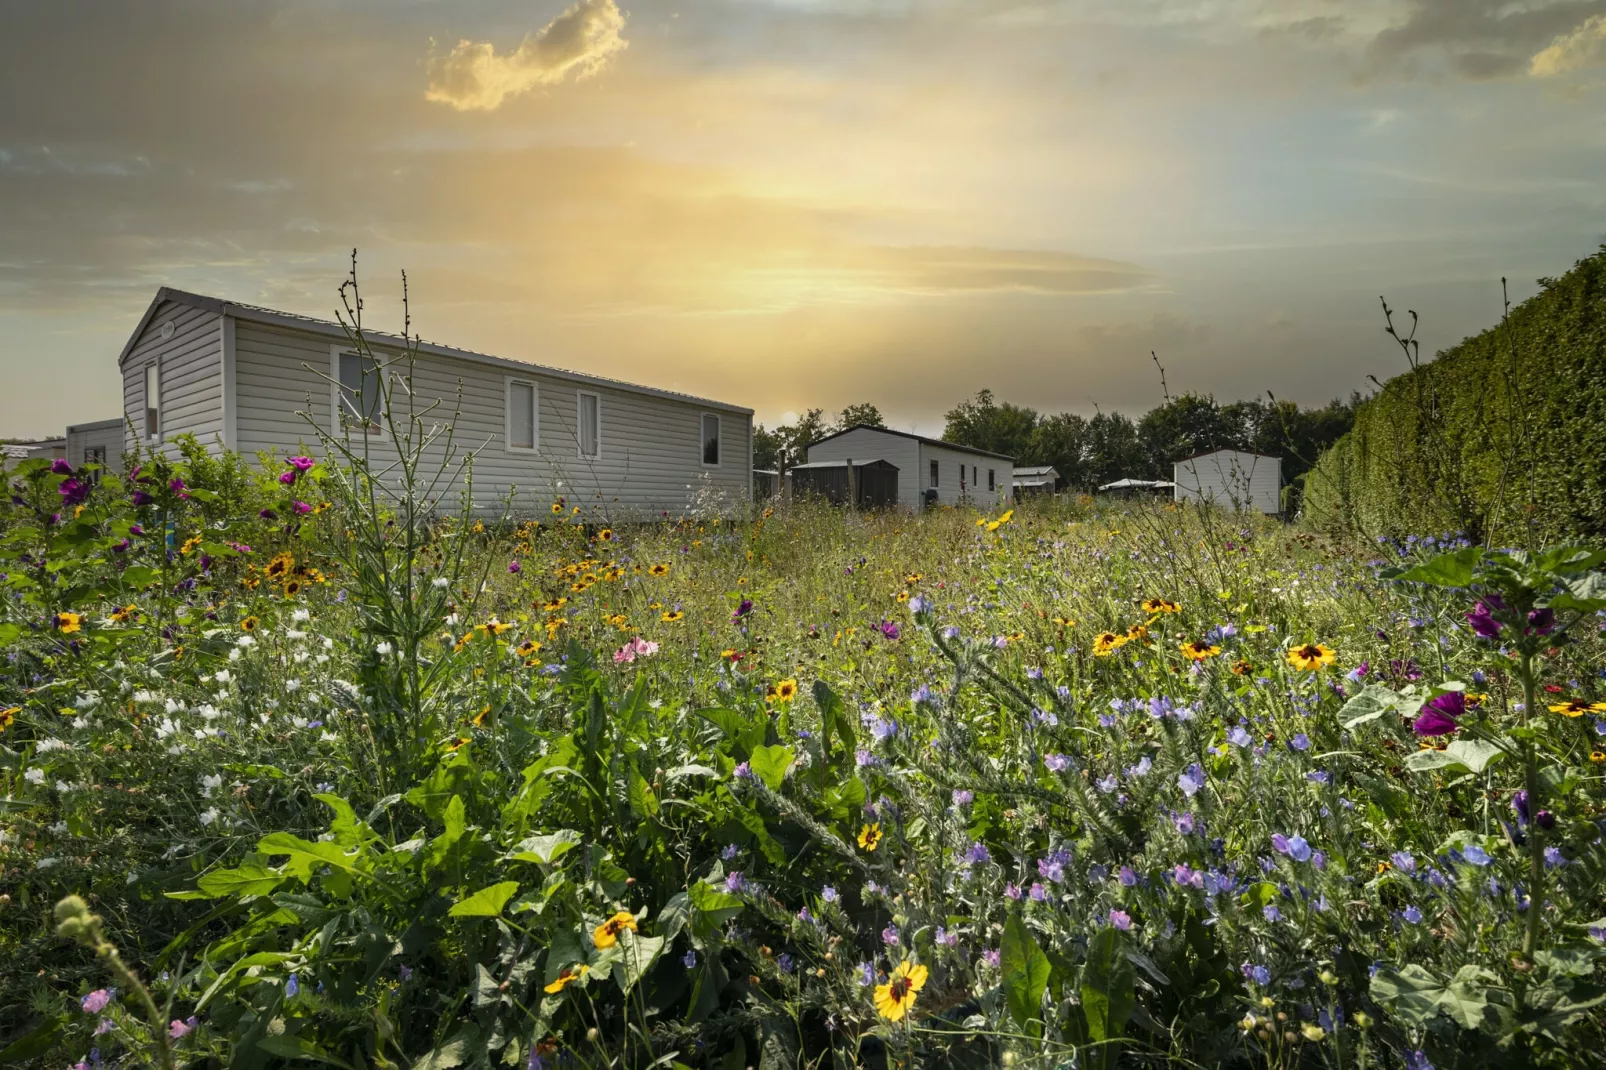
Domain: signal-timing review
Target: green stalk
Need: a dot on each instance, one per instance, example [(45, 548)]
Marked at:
[(1536, 853)]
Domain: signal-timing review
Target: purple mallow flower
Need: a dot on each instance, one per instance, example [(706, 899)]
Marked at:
[(1440, 716)]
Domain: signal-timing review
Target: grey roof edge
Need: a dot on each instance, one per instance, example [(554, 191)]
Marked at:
[(1225, 449), (96, 425), (917, 438), (330, 328)]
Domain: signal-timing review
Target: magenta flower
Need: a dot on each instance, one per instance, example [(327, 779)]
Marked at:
[(1439, 716), (179, 1029), (1482, 619), (1121, 920), (60, 467), (135, 529), (140, 498), (513, 567), (96, 1001), (177, 485), (1541, 621), (301, 464), (742, 610), (300, 508), (267, 514), (73, 491), (287, 477), (889, 629)]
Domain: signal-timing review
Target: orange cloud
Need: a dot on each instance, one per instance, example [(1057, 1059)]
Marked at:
[(472, 77), (1583, 47)]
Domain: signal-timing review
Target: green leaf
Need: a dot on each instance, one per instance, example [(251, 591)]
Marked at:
[(715, 904), (306, 856), (547, 847), (1585, 594), (771, 763), (1369, 705), (1412, 993), (1471, 754), (441, 846), (32, 1044), (643, 803), (1446, 570), (1108, 986), (299, 1048), (487, 902), (1025, 970), (834, 719), (638, 955), (140, 576), (250, 878), (455, 1052)]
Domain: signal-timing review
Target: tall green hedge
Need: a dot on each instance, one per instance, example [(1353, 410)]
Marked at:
[(1502, 435)]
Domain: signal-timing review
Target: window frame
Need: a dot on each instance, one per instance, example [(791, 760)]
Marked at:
[(579, 425), (508, 383), (935, 477), (338, 414), (719, 439), (153, 370), (992, 481)]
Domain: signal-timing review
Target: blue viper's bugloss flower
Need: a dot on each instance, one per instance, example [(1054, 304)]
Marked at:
[(828, 894), (1476, 855), (1191, 779)]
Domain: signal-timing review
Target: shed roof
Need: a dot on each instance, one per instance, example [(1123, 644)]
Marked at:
[(1124, 484), (96, 425), (333, 329), (843, 464), (917, 438), (1241, 453), (1037, 470)]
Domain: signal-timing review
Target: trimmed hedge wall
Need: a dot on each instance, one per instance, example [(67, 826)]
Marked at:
[(1503, 434)]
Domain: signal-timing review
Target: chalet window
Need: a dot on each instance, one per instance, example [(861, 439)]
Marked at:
[(153, 400), (360, 391), (934, 473), (590, 425), (710, 439), (992, 480), (522, 421), (94, 455)]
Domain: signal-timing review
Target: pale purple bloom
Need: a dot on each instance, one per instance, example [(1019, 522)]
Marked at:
[(962, 797), (890, 936), (1056, 763), (1191, 779), (1038, 892), (96, 1001), (1121, 920)]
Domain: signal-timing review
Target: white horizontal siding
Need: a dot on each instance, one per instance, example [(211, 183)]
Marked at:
[(1231, 479), (108, 437), (651, 455), (191, 375), (951, 490)]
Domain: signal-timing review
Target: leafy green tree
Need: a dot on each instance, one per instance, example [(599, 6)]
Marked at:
[(984, 424), (863, 414), (1114, 450), (1061, 440)]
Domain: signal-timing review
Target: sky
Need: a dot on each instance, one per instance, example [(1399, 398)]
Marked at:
[(790, 204)]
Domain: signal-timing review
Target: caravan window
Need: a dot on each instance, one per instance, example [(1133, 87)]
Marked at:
[(521, 415), (590, 425), (153, 400), (360, 390), (710, 439), (933, 473)]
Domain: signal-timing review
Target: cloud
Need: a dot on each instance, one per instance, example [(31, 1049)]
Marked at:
[(1480, 39), (1583, 47), (472, 77)]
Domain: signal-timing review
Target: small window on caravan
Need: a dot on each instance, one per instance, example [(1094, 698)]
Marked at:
[(710, 439), (153, 400), (590, 425), (933, 473), (992, 479), (360, 391), (521, 415)]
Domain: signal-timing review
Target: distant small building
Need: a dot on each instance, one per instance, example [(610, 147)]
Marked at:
[(1133, 488), (99, 443), (766, 483), (930, 471), (48, 448), (1039, 479), (873, 484), (1232, 479)]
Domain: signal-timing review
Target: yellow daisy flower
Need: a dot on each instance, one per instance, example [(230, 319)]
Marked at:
[(893, 999)]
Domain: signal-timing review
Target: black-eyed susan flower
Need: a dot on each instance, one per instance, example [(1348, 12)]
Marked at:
[(8, 715), (67, 622), (1199, 650), (1242, 667), (1137, 632), (607, 934), (249, 624), (1065, 622), (1311, 656), (292, 588), (529, 647), (1577, 707), (893, 999), (1160, 605), (786, 691), (870, 837), (1106, 643), (480, 718), (280, 565), (124, 614), (1594, 755), (672, 615), (554, 605), (659, 570), (569, 973), (557, 508)]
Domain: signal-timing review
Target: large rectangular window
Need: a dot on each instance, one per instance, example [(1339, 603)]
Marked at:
[(153, 400), (933, 473), (992, 480), (521, 415), (360, 394), (590, 425), (710, 439)]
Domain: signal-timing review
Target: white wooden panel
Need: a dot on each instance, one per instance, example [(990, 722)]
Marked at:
[(191, 361)]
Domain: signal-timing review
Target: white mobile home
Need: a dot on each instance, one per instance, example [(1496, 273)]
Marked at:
[(929, 470), (99, 443), (1037, 479), (238, 377), (1231, 479)]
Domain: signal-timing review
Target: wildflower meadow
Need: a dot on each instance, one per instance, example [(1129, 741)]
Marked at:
[(302, 768)]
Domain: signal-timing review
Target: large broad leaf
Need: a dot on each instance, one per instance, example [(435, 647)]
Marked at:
[(547, 847), (770, 764), (643, 803), (456, 821), (1108, 987), (638, 953), (1412, 993), (834, 720), (1446, 570), (1473, 755), (746, 732), (1026, 971), (1369, 705), (455, 1052), (250, 878), (299, 1049), (1586, 594), (713, 904), (307, 856), (487, 902)]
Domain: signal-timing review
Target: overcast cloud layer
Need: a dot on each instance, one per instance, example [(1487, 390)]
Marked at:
[(804, 202)]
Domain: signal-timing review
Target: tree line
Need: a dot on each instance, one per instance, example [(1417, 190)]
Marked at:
[(1090, 451)]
